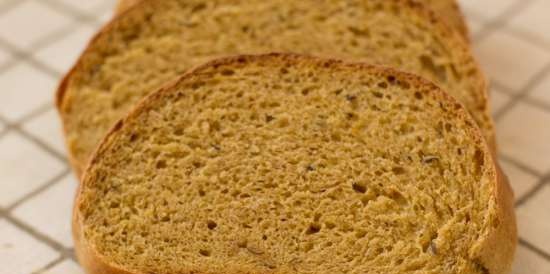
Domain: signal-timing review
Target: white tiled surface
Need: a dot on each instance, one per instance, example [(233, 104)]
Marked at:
[(47, 127), (542, 91), (63, 53), (20, 253), (528, 262), (24, 166), (24, 88), (524, 134), (535, 19), (499, 99), (50, 212), (65, 267), (499, 54), (30, 22), (532, 227), (4, 57), (511, 38), (522, 181), (488, 8)]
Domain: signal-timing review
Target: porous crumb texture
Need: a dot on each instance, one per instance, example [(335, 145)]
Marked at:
[(158, 40), (289, 165), (447, 10)]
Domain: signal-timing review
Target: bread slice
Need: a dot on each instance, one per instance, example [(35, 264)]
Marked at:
[(448, 10), (291, 164), (158, 40)]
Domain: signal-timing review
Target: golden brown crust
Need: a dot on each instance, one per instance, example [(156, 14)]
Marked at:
[(495, 251)]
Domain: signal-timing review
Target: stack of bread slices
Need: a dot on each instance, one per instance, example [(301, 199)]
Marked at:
[(285, 136)]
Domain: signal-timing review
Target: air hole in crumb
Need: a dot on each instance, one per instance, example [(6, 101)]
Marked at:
[(133, 137), (227, 72), (382, 85), (391, 79), (161, 164), (479, 160), (201, 193), (351, 98), (398, 170), (359, 188), (264, 237), (313, 229), (418, 95), (428, 159), (211, 225), (269, 118), (204, 252)]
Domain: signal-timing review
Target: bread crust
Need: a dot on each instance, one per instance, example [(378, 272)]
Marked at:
[(63, 94), (501, 237)]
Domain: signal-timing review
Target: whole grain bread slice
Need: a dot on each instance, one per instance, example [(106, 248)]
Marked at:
[(158, 40), (448, 10), (292, 164)]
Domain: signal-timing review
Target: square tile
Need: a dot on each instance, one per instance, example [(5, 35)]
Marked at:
[(48, 128), (50, 211), (533, 219), (29, 22), (527, 262), (5, 56), (62, 54), (23, 167), (474, 26), (509, 60), (65, 267), (534, 19), (542, 90), (524, 135), (20, 253), (520, 180), (24, 88), (90, 6), (488, 8), (498, 100)]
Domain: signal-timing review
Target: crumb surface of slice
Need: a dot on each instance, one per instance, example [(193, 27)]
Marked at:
[(448, 10), (291, 164), (158, 40)]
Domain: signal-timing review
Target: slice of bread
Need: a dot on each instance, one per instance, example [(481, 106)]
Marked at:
[(448, 10), (158, 40), (291, 164)]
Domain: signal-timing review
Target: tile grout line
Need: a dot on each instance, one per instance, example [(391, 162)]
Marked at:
[(74, 13), (521, 166), (531, 193), (20, 55), (7, 5), (500, 20), (43, 187), (534, 249), (50, 265), (524, 92), (34, 233), (501, 89)]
